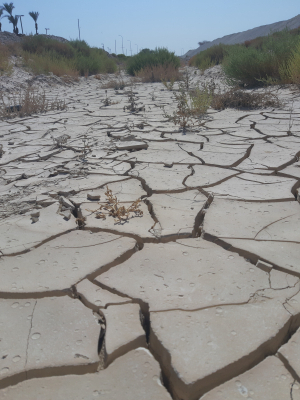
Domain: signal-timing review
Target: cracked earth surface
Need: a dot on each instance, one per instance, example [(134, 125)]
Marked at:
[(198, 298)]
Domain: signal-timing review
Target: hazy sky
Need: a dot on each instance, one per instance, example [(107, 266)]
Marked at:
[(176, 24)]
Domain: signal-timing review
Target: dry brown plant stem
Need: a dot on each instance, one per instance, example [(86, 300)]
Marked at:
[(121, 214)]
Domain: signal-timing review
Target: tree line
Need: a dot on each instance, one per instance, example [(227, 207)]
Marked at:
[(13, 19)]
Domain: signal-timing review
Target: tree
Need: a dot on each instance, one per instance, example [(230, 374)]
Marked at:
[(14, 20), (1, 16), (34, 15), (8, 8)]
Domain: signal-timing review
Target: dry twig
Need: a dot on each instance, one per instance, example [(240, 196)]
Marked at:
[(121, 214)]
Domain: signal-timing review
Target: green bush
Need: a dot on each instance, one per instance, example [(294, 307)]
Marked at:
[(40, 45), (260, 64), (44, 55), (152, 58), (248, 66), (209, 57), (290, 71)]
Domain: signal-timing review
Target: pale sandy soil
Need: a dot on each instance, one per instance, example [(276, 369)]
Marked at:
[(198, 298)]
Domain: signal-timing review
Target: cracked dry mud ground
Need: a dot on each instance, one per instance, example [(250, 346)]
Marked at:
[(199, 298)]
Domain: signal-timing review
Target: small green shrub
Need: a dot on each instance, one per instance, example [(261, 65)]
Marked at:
[(150, 59), (192, 106)]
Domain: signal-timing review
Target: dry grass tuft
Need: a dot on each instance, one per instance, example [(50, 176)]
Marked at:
[(114, 84), (242, 99), (112, 208), (27, 103), (160, 73)]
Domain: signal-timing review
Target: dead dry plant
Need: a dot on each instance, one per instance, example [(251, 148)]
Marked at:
[(26, 103), (159, 73), (112, 208), (117, 84), (244, 99)]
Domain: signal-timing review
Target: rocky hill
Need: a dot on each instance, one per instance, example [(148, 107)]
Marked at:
[(8, 37), (250, 34)]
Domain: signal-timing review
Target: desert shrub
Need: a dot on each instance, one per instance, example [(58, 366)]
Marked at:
[(209, 57), (253, 66), (41, 45), (159, 73), (94, 63), (290, 71), (146, 59), (45, 63), (248, 66), (244, 99), (122, 57), (26, 103), (43, 55), (257, 43), (5, 65), (191, 107), (114, 84)]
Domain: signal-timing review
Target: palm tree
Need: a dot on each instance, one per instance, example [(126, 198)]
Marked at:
[(34, 15), (8, 8), (1, 16), (13, 20)]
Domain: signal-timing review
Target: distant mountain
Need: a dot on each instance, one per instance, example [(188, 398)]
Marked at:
[(241, 37)]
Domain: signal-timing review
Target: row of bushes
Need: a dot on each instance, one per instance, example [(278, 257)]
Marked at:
[(270, 60), (43, 55), (267, 60)]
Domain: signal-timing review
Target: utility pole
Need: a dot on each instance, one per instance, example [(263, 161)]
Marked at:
[(130, 46), (115, 47), (79, 30), (47, 29), (137, 48), (122, 44), (20, 16)]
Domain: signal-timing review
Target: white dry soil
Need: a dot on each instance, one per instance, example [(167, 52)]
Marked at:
[(198, 298)]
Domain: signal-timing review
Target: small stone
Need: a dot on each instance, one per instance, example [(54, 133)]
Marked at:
[(66, 203), (264, 266), (91, 196)]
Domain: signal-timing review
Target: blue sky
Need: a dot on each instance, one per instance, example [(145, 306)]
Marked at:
[(176, 24)]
